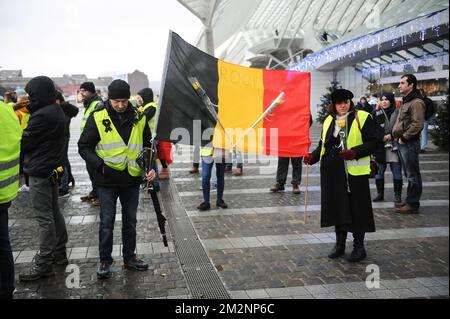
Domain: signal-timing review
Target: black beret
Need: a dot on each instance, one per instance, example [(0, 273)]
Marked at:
[(341, 95)]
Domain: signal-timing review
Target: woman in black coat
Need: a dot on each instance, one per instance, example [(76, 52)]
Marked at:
[(386, 153), (346, 202)]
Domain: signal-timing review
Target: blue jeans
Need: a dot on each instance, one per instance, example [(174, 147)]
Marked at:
[(207, 165), (396, 169), (6, 256), (409, 157), (424, 137), (129, 199)]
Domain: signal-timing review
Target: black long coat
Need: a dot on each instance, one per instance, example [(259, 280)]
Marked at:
[(352, 211)]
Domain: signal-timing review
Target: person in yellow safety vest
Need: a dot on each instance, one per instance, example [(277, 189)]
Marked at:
[(11, 134), (111, 142), (148, 107), (209, 157), (10, 98), (349, 137), (90, 101), (22, 112)]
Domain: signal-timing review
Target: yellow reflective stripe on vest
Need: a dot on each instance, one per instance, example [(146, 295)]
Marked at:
[(106, 147), (113, 150), (357, 167), (135, 147), (9, 181), (10, 164)]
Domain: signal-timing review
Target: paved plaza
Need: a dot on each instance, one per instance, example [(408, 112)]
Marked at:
[(258, 248)]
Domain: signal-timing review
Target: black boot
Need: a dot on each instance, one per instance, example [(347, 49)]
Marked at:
[(339, 248), (398, 185), (380, 190), (359, 252)]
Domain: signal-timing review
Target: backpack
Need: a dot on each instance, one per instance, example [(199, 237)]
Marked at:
[(430, 109)]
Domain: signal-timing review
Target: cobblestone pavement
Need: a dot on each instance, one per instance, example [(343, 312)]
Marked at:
[(258, 248)]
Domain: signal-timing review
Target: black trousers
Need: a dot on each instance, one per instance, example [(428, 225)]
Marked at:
[(283, 167)]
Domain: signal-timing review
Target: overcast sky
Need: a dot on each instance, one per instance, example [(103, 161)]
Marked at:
[(93, 37)]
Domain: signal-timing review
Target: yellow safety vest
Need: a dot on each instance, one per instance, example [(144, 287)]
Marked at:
[(206, 151), (11, 134), (152, 121), (88, 112), (113, 150), (356, 167)]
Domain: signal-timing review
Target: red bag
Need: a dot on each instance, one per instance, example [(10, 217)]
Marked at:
[(165, 152)]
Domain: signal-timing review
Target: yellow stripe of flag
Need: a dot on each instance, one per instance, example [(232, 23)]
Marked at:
[(241, 98)]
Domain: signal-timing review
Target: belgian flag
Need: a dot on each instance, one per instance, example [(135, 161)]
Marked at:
[(239, 96)]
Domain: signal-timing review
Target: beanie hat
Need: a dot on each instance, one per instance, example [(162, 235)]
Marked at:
[(59, 96), (146, 95), (88, 86), (119, 89)]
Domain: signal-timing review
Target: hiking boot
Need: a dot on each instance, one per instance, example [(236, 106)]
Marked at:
[(339, 248), (221, 204), (296, 190), (407, 210), (95, 202), (398, 184), (380, 189), (136, 264), (36, 273), (104, 271), (359, 252), (87, 198), (357, 255), (238, 172), (277, 188), (61, 260), (194, 170), (204, 207)]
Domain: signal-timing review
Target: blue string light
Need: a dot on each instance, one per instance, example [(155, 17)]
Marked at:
[(351, 48)]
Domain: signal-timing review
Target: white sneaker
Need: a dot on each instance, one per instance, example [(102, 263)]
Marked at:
[(24, 188)]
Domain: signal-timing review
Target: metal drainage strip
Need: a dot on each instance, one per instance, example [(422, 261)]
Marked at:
[(201, 276)]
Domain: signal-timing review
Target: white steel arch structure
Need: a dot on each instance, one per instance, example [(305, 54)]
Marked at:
[(277, 33)]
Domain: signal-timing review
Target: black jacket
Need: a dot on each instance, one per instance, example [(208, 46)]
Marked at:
[(43, 140), (102, 174), (351, 212), (70, 111)]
